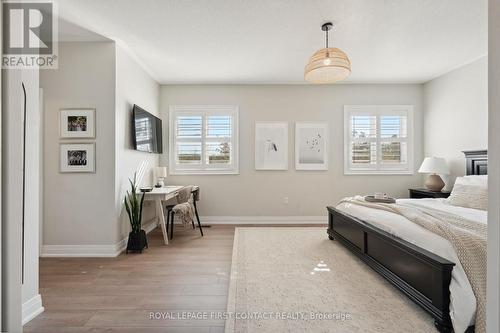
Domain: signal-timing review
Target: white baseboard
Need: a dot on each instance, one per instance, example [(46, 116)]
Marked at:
[(81, 250), (113, 250), (32, 308), (263, 220), (94, 251)]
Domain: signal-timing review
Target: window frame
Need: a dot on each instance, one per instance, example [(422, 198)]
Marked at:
[(203, 168), (378, 111)]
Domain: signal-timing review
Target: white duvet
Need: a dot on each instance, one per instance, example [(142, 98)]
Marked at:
[(462, 299)]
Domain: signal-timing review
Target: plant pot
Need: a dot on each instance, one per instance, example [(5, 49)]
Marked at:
[(137, 241)]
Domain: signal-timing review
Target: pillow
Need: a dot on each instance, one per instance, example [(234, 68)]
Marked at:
[(470, 192), (474, 180)]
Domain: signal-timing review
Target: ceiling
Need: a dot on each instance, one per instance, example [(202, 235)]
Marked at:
[(70, 32), (270, 41)]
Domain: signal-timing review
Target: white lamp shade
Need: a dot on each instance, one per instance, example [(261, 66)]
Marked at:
[(435, 165), (161, 172)]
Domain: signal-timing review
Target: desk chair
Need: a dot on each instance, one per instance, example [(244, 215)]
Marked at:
[(171, 214)]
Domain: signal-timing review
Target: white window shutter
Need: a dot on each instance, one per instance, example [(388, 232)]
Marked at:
[(203, 139), (378, 139)]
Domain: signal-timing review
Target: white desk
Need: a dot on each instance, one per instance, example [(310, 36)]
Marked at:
[(158, 195)]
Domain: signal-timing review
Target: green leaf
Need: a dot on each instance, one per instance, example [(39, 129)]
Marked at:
[(133, 206), (140, 211), (127, 208)]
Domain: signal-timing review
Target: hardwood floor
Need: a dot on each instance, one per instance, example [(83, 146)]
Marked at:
[(189, 276)]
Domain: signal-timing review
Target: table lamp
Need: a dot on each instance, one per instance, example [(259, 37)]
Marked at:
[(435, 166), (160, 175)]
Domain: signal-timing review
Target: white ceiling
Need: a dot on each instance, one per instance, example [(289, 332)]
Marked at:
[(269, 41), (70, 32)]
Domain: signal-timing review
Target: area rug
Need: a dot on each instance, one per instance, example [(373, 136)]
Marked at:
[(297, 280)]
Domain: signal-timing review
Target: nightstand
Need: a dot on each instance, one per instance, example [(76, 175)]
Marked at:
[(419, 193)]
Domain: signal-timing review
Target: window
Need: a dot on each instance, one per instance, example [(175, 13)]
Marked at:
[(378, 139), (203, 139)]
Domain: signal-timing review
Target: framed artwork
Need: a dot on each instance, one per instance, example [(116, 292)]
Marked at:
[(77, 123), (311, 146), (77, 157), (271, 145)]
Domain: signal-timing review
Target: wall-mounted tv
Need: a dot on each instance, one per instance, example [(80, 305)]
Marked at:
[(146, 131)]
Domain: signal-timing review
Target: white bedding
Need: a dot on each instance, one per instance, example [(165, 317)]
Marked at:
[(463, 301)]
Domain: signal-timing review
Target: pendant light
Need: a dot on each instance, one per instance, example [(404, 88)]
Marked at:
[(328, 65)]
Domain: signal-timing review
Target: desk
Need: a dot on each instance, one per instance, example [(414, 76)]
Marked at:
[(158, 195)]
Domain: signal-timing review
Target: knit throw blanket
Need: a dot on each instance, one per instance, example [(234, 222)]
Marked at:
[(184, 209), (467, 237)]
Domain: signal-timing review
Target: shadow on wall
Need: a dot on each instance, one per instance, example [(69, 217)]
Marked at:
[(457, 169), (127, 125), (142, 172)]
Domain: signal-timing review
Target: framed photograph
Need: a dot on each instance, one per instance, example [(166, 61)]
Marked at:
[(311, 146), (77, 157), (77, 123), (271, 145)]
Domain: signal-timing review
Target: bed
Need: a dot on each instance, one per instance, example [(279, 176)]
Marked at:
[(417, 271)]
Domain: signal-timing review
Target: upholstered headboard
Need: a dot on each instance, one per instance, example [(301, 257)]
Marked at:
[(476, 162)]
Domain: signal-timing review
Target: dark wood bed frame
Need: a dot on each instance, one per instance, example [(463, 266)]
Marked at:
[(423, 276)]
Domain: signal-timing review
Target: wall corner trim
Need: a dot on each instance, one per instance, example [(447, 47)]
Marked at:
[(32, 308)]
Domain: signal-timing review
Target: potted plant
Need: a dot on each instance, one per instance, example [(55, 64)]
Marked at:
[(137, 240)]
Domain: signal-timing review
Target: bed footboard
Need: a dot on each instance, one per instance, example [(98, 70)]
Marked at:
[(423, 276)]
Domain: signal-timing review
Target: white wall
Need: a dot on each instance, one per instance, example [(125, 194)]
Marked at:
[(21, 302), (493, 283), (32, 301), (133, 86), (456, 115), (79, 207), (84, 212), (12, 203), (1, 93), (262, 193)]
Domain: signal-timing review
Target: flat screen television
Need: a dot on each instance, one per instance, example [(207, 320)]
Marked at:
[(146, 131)]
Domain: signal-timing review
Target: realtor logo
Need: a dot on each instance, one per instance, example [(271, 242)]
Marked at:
[(29, 35)]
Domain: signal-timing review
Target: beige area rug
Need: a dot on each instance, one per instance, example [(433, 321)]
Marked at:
[(297, 280)]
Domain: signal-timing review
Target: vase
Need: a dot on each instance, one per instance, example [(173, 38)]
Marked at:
[(137, 241)]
